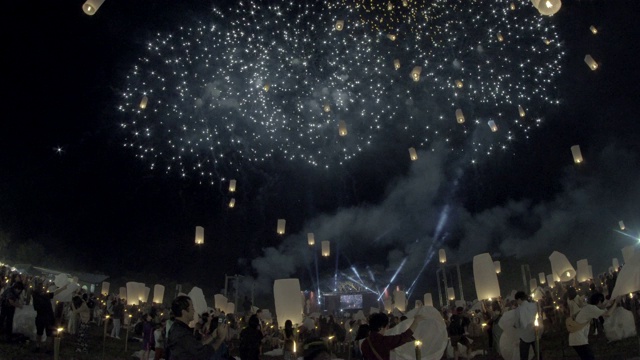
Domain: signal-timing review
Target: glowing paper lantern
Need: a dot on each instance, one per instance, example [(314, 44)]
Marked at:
[(105, 288), (158, 293), (549, 7), (342, 128), (412, 154), (132, 293), (286, 293), (547, 41), (583, 270), (521, 111), (122, 293), (198, 300), (326, 107), (415, 73), (496, 265), (400, 300), (550, 280), (389, 6), (577, 154), (459, 116), (231, 308), (542, 278), (459, 84), (199, 235), (281, 226), (396, 64), (90, 7), (145, 294), (627, 253), (621, 223), (144, 102), (492, 126), (451, 294), (428, 299), (593, 29), (485, 277), (232, 185), (616, 264), (500, 37), (628, 280), (339, 25), (442, 256), (391, 37), (311, 240), (533, 285), (326, 248), (592, 64), (266, 87), (220, 301), (561, 267), (232, 202), (512, 6)]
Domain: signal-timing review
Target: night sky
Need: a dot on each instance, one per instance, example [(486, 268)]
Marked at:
[(68, 183)]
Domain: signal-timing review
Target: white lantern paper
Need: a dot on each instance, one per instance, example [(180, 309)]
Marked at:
[(391, 37), (492, 125), (199, 235), (342, 128), (533, 285), (583, 270), (145, 294), (561, 267), (577, 154), (485, 277), (105, 288), (198, 300), (339, 25), (415, 73), (326, 248), (500, 37), (593, 29), (61, 280), (311, 240), (144, 102), (158, 293), (231, 308), (621, 224), (90, 7), (550, 280), (132, 293), (521, 111), (629, 278), (400, 300), (590, 272), (592, 64), (616, 264), (286, 294), (451, 294), (459, 116), (432, 332), (326, 107), (459, 84), (232, 203), (542, 278), (232, 185), (281, 226), (496, 265), (428, 299), (442, 256), (220, 302), (412, 154), (627, 253), (549, 7), (396, 64)]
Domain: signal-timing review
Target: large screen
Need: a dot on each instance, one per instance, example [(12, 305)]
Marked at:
[(351, 301)]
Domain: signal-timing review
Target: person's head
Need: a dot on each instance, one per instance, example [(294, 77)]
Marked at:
[(571, 293), (315, 349), (288, 325), (520, 297), (182, 308), (378, 321), (596, 299), (254, 322), (18, 286), (459, 310), (363, 332)]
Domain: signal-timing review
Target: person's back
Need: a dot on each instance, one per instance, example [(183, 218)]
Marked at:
[(250, 340)]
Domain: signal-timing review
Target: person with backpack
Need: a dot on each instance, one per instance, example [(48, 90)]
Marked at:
[(578, 326), (457, 324)]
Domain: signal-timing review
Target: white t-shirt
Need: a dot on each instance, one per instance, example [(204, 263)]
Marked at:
[(587, 313)]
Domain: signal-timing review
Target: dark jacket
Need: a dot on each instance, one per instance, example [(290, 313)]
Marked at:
[(183, 345)]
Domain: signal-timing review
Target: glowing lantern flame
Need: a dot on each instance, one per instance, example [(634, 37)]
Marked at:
[(496, 264), (492, 126), (459, 84), (459, 116), (442, 256), (415, 73), (593, 29), (326, 248), (521, 111), (281, 226), (392, 37), (326, 107), (512, 6), (621, 223), (396, 64), (90, 7), (592, 64), (266, 87), (342, 128), (500, 37), (144, 102), (232, 185), (311, 239), (339, 25), (199, 235), (232, 203), (412, 154), (577, 154)]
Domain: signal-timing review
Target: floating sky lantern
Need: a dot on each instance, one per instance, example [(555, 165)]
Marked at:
[(391, 37), (621, 224), (583, 270), (459, 116), (232, 203), (415, 73), (577, 154), (521, 111), (498, 268), (627, 253), (266, 87), (561, 267), (144, 102), (485, 277), (492, 126), (550, 280), (232, 185), (342, 128), (396, 64), (326, 107), (90, 7), (286, 293), (512, 6), (459, 84), (105, 288), (542, 278), (326, 248), (412, 154), (199, 235), (616, 264), (339, 25), (547, 41), (593, 29), (533, 285), (158, 293), (500, 37), (442, 256), (428, 299), (311, 239), (451, 294), (389, 6), (548, 7), (592, 64), (281, 226)]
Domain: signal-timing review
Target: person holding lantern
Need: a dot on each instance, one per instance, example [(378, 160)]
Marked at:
[(377, 346), (525, 317), (579, 333)]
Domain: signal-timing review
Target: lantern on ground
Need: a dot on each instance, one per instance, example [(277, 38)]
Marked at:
[(492, 126), (232, 203), (105, 288), (550, 281), (542, 278), (459, 116), (199, 235), (577, 154), (459, 84), (280, 227), (561, 267), (342, 128), (621, 224), (339, 25), (415, 73), (428, 299), (549, 7), (442, 256), (90, 7), (326, 248), (500, 37), (158, 293), (232, 185), (451, 294), (496, 265), (396, 64), (521, 111), (311, 239), (412, 154), (592, 64), (593, 29), (286, 293), (144, 102), (485, 277), (583, 270)]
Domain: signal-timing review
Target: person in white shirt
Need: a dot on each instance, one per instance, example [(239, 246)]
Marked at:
[(579, 340), (525, 317)]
